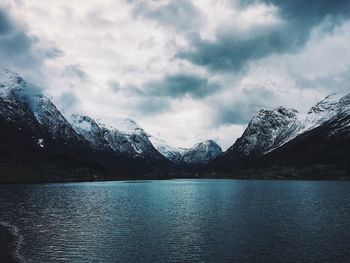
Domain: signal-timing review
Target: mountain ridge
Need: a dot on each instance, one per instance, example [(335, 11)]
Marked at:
[(39, 143), (307, 144)]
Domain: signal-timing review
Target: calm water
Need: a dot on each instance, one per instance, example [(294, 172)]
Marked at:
[(181, 221)]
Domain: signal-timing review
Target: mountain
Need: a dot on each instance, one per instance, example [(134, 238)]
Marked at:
[(200, 153), (323, 138), (91, 131), (171, 153), (24, 104), (266, 130), (311, 144), (37, 143), (127, 137), (120, 135)]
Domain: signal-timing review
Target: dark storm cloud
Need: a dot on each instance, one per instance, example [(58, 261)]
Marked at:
[(180, 14), (75, 71), (5, 24), (307, 12), (151, 105), (17, 47), (231, 52), (178, 86)]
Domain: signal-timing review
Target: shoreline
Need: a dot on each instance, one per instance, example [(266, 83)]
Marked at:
[(136, 179), (8, 245)]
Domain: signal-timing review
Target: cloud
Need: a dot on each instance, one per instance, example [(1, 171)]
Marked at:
[(21, 51), (178, 86), (179, 14), (232, 50), (152, 106), (115, 85), (16, 46), (309, 12), (242, 107), (53, 53), (75, 71), (5, 24), (67, 102), (337, 82)]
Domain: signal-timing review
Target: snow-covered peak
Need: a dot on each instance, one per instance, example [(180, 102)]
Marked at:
[(81, 122), (9, 78), (9, 81), (134, 134), (12, 82), (266, 130), (278, 113), (329, 103), (92, 132), (171, 153), (124, 125), (324, 111), (201, 152), (270, 129)]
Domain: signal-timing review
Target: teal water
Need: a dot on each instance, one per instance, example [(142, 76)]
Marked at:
[(181, 221)]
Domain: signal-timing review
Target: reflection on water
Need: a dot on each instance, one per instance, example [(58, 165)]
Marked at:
[(181, 221)]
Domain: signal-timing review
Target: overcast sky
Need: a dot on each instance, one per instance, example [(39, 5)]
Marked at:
[(183, 70)]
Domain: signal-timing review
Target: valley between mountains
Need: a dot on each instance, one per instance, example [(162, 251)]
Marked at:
[(38, 143)]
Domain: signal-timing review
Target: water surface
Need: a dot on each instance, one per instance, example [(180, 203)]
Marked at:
[(181, 221)]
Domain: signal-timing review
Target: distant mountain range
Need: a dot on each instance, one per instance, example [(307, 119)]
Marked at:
[(39, 143)]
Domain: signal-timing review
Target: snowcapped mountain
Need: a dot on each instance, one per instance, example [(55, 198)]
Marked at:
[(90, 130), (283, 142), (270, 129), (122, 136), (23, 101), (330, 108), (265, 131), (171, 153), (200, 153), (11, 108), (37, 137), (126, 136), (53, 121)]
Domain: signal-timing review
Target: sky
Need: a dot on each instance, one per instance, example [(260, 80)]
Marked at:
[(184, 70)]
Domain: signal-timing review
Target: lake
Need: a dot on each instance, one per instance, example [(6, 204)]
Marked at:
[(180, 221)]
